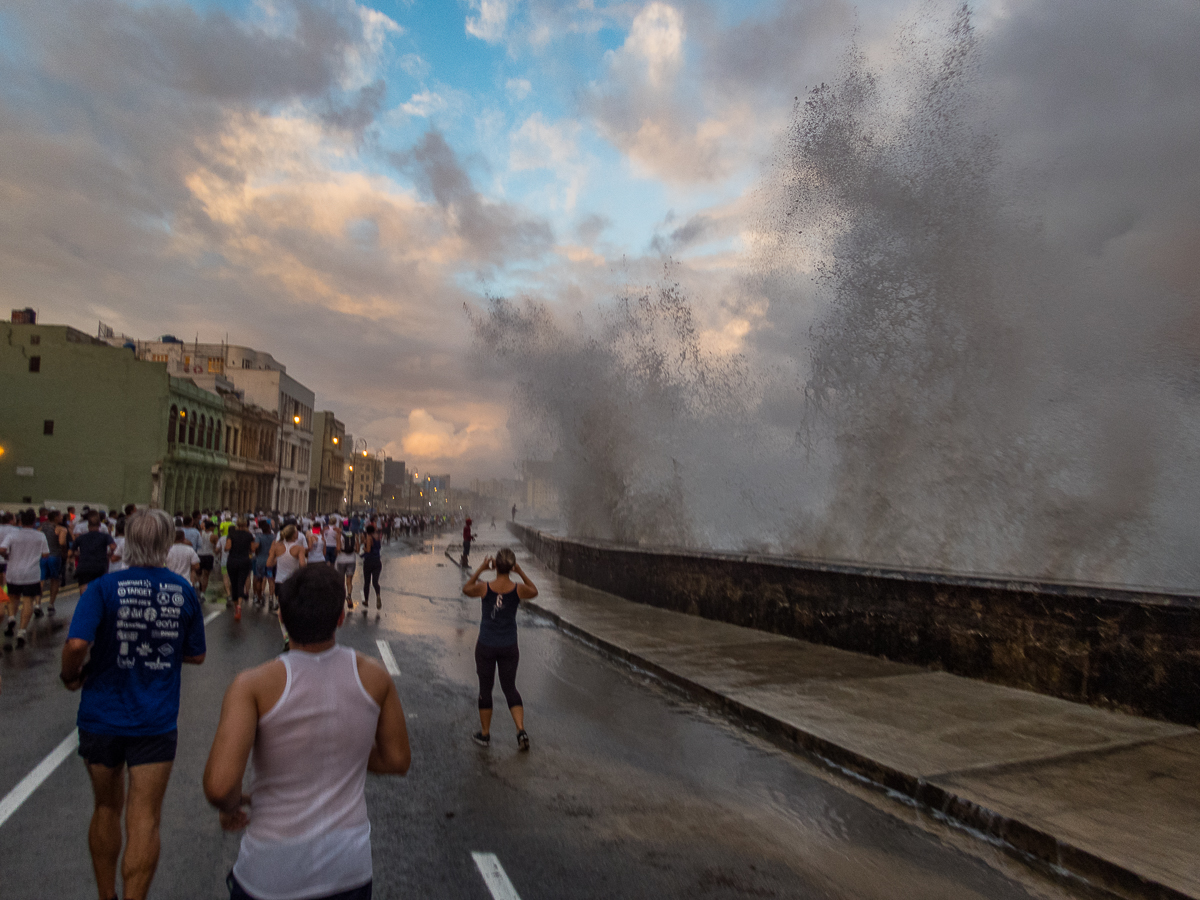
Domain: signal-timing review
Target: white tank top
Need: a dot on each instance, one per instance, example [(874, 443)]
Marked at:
[(286, 565), (309, 835), (317, 552)]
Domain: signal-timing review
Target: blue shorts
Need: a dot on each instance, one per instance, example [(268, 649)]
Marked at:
[(260, 567), (52, 568)]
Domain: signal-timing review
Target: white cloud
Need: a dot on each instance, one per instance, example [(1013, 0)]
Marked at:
[(518, 88), (414, 65), (492, 21), (539, 144), (654, 43), (428, 439), (424, 104)]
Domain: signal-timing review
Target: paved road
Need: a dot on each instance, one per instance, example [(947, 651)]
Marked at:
[(629, 790)]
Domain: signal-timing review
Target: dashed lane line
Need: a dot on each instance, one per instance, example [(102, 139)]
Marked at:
[(43, 770), (212, 615), (494, 876), (389, 661)]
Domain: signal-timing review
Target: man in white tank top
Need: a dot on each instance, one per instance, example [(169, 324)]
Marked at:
[(317, 719)]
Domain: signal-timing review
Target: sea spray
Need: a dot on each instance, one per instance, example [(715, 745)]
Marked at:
[(934, 381)]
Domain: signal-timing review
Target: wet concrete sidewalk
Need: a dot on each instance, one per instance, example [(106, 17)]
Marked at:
[(1111, 798)]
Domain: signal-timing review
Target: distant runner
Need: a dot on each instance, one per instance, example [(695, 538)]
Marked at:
[(372, 566)]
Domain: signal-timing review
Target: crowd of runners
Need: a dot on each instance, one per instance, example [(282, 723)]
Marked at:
[(250, 554), (315, 720)]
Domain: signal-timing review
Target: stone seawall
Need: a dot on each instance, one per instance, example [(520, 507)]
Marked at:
[(1134, 651)]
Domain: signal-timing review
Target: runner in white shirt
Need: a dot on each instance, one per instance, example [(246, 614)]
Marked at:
[(317, 720), (182, 558), (24, 551), (6, 528), (116, 562)]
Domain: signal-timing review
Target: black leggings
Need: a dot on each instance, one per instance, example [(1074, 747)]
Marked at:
[(487, 660), (238, 573), (372, 566)]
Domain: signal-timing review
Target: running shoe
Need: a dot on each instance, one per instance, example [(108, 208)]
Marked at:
[(50, 610), (12, 627), (237, 614), (522, 740), (37, 612), (483, 740), (378, 602), (20, 638)]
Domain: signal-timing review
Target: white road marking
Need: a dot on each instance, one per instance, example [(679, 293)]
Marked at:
[(389, 661), (212, 615), (30, 783), (494, 877)]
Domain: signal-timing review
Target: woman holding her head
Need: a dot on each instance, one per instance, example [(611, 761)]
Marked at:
[(497, 644), (288, 556)]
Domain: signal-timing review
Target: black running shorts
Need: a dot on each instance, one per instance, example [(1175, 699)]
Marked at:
[(206, 563), (237, 892), (25, 590), (115, 750)]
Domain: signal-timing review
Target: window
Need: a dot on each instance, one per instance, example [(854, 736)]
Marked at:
[(48, 426), (217, 439), (208, 436), (172, 424), (216, 365), (235, 441), (35, 364), (34, 340), (192, 429), (159, 357)]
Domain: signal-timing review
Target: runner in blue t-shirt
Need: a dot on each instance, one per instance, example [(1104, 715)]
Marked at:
[(140, 624)]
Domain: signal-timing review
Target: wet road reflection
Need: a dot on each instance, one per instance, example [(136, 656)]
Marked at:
[(630, 790)]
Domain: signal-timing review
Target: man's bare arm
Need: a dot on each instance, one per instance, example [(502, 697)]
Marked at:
[(74, 655), (391, 754), (226, 766)]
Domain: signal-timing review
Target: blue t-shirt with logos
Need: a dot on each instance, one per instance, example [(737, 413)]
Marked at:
[(142, 622)]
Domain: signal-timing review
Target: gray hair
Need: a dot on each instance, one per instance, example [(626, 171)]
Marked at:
[(149, 534)]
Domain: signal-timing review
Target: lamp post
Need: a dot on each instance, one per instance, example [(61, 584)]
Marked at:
[(360, 449)]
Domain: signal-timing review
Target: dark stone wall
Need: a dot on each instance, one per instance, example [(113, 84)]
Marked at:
[(1133, 651)]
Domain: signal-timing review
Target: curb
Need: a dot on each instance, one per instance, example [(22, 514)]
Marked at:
[(1028, 842)]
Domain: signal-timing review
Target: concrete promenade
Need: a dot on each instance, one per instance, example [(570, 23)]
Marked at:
[(1108, 798)]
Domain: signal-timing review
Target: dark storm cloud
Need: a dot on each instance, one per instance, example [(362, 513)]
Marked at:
[(356, 116), (691, 232), (101, 44), (773, 53), (497, 233), (1097, 105), (590, 227)]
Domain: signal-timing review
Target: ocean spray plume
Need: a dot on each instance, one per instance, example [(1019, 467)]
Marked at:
[(934, 382)]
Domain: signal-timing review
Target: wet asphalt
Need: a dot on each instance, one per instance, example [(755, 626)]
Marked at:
[(630, 789)]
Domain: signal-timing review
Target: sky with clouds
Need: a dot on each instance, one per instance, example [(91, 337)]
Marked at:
[(333, 181)]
